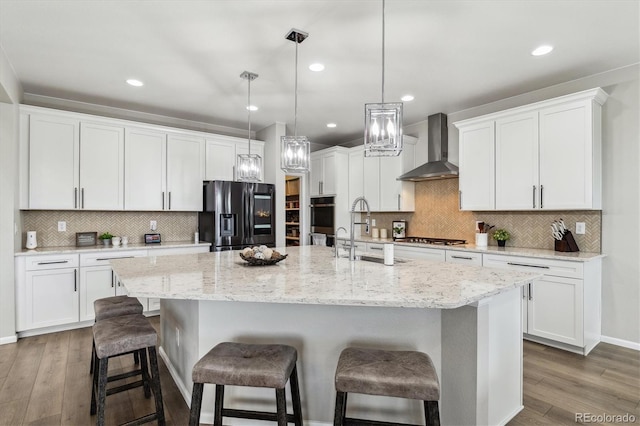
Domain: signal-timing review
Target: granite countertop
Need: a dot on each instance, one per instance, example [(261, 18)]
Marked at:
[(578, 256), (312, 275), (101, 248)]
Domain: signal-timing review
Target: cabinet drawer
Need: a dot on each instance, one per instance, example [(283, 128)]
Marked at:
[(414, 252), (34, 263), (464, 257), (177, 250), (103, 258), (558, 268)]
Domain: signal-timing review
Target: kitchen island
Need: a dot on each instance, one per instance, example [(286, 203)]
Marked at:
[(466, 318)]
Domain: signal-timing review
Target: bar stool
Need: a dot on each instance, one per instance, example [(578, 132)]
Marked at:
[(239, 364), (109, 307), (117, 336), (401, 374)]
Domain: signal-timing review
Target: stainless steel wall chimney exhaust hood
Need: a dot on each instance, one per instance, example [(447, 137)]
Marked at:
[(438, 149)]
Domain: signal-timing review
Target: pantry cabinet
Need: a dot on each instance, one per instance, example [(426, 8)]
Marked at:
[(221, 156), (543, 156)]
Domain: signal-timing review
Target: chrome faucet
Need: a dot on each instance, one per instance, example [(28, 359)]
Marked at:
[(352, 252), (335, 243)]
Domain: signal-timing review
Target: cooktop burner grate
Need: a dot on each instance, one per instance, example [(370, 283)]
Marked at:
[(429, 240)]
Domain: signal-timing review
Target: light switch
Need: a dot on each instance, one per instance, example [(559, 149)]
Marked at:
[(62, 226), (580, 228), (153, 225)]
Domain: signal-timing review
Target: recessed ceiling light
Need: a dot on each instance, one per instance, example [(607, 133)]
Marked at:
[(407, 98), (317, 67), (252, 108), (134, 82), (331, 125), (542, 50)]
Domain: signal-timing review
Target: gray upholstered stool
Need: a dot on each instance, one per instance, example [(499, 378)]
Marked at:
[(109, 307), (114, 337), (401, 374), (239, 364)]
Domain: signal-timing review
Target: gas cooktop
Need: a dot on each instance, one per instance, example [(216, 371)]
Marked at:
[(429, 240)]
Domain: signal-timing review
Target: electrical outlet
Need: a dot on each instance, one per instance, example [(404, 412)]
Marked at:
[(581, 228), (373, 222), (62, 226), (178, 336), (153, 225)]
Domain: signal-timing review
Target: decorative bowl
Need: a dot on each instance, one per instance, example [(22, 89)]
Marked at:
[(252, 261)]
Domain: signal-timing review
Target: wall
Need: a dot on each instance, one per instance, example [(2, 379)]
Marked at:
[(172, 226)]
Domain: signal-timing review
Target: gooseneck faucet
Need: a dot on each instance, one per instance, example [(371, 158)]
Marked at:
[(352, 252), (335, 243)]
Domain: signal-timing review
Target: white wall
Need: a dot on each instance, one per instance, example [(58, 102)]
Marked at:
[(621, 196), (10, 97)]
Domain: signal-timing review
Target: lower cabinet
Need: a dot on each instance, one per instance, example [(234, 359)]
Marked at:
[(52, 297)]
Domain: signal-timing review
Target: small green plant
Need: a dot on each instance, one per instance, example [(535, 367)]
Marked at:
[(501, 235), (106, 236)]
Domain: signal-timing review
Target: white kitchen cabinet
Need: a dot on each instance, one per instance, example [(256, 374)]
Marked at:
[(563, 308), (379, 176), (545, 155), (417, 252), (477, 166), (356, 173), (324, 167), (162, 173), (221, 156)]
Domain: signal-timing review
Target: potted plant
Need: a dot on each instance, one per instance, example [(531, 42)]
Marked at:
[(106, 238), (501, 236)]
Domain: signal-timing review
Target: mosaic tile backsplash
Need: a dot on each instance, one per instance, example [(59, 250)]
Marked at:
[(173, 226), (437, 216)]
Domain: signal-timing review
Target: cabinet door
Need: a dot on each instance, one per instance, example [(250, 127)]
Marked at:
[(101, 167), (184, 174), (390, 188), (316, 175), (220, 160), (356, 174), (555, 309), (256, 148), (54, 149), (566, 157), (329, 184), (51, 297), (144, 170), (371, 176), (517, 162), (96, 282), (477, 167)]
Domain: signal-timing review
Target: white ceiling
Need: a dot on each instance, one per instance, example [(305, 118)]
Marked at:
[(451, 55)]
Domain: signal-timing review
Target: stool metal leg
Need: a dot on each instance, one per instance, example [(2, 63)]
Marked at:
[(432, 413), (295, 396), (145, 372), (196, 404), (219, 406), (281, 407), (103, 367), (341, 408), (155, 385)]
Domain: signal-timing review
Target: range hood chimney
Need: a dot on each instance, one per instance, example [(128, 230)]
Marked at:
[(438, 149)]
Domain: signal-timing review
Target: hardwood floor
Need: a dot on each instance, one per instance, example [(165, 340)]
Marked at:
[(44, 380)]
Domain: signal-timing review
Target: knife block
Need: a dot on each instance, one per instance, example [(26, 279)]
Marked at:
[(567, 243)]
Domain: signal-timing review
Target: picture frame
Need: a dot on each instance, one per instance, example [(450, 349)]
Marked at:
[(86, 239), (152, 238), (399, 229)]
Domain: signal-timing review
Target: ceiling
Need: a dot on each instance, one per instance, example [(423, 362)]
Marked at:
[(451, 55)]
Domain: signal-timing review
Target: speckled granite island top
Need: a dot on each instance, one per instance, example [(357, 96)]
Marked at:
[(312, 275)]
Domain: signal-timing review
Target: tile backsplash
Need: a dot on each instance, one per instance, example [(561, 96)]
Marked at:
[(173, 226), (437, 216)]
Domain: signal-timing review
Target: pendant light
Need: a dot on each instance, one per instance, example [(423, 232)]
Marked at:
[(295, 150), (383, 122), (248, 166)]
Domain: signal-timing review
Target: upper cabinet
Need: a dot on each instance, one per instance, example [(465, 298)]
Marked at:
[(376, 178), (184, 173), (545, 155), (74, 165), (326, 166), (221, 153)]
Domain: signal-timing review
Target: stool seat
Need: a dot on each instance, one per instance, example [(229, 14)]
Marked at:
[(119, 335), (240, 364), (110, 307), (402, 374)]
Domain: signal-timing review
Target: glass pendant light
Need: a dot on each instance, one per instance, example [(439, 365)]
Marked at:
[(295, 150), (382, 122), (248, 166)]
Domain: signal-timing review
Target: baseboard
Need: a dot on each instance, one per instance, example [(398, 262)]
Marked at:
[(620, 342), (8, 339)]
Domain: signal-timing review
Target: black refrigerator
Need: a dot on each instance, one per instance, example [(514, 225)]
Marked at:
[(237, 215)]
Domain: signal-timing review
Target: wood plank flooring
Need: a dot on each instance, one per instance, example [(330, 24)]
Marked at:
[(44, 380)]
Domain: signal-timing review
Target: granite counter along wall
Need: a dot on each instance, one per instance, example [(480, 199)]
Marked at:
[(173, 226), (437, 215)]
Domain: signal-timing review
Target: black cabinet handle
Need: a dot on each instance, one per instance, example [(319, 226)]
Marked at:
[(53, 263), (462, 257), (528, 266), (75, 280)]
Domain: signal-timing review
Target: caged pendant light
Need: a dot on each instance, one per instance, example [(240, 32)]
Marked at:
[(249, 166), (383, 122), (295, 150)]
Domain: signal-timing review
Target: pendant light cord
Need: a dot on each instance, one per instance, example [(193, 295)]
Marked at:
[(295, 109), (382, 51), (249, 109)]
